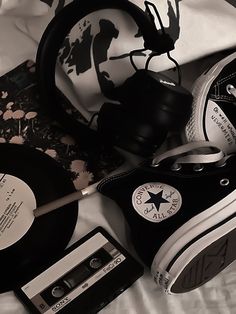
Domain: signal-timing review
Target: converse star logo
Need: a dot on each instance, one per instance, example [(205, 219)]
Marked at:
[(156, 201)]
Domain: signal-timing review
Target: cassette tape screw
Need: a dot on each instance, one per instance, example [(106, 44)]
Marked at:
[(95, 263), (58, 291)]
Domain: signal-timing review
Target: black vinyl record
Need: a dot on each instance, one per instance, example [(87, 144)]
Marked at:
[(30, 178)]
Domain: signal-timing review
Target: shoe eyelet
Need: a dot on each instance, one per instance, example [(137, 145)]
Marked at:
[(219, 165), (229, 88), (154, 165), (224, 182), (176, 167), (198, 167)]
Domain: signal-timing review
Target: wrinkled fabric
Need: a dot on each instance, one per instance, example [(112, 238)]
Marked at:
[(24, 7), (199, 28), (100, 43)]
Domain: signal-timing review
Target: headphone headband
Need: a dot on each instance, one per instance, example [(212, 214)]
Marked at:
[(64, 21), (78, 9), (60, 26)]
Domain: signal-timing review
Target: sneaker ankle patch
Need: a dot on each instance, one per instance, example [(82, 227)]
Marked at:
[(218, 127), (156, 201)]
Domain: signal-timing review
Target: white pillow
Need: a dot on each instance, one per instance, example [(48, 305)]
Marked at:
[(24, 7)]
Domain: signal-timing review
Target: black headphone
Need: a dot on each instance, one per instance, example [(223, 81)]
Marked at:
[(150, 104)]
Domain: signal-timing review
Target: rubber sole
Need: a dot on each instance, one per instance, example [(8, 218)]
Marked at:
[(207, 264), (182, 263)]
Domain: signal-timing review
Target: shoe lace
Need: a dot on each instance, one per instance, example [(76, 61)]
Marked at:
[(198, 153)]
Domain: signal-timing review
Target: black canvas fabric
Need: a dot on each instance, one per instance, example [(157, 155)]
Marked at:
[(198, 190)]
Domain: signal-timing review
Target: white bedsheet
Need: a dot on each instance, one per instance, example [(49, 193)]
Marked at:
[(216, 297)]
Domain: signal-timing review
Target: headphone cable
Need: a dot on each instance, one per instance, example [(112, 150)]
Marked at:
[(147, 4)]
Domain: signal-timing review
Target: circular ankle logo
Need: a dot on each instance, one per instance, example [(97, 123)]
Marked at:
[(156, 201)]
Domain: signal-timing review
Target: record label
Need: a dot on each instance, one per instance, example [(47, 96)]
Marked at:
[(16, 211)]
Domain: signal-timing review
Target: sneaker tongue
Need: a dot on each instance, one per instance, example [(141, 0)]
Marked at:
[(220, 127)]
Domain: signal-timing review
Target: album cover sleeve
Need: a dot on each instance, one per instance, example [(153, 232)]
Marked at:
[(23, 121)]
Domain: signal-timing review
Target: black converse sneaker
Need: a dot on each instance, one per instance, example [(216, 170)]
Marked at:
[(214, 106), (181, 210)]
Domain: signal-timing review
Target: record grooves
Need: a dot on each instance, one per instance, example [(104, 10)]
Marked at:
[(46, 236)]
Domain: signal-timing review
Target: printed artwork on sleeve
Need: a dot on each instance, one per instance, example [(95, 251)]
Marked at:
[(23, 122), (98, 49), (49, 2)]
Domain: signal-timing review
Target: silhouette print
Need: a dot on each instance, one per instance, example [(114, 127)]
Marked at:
[(49, 2), (101, 44), (174, 28), (78, 53)]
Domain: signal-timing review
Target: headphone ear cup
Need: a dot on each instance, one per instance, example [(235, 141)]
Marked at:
[(156, 98), (140, 137), (150, 106), (118, 127)]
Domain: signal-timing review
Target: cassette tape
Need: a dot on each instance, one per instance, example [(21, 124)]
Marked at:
[(89, 275)]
